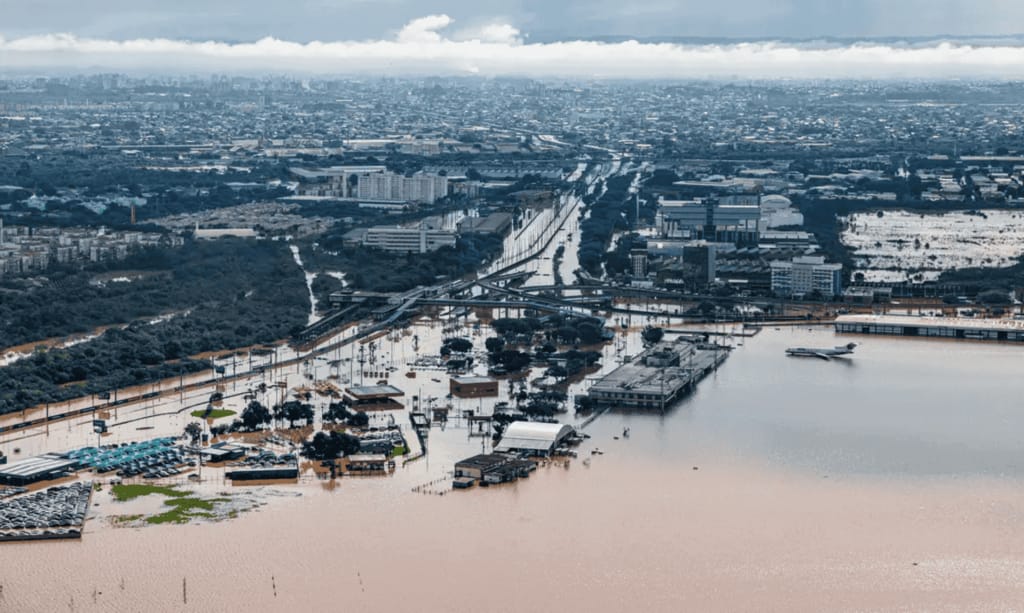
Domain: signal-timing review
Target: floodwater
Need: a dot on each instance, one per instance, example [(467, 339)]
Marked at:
[(986, 239), (890, 481)]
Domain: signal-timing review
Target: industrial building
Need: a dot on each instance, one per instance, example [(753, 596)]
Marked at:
[(495, 223), (36, 469), (422, 237), (709, 220), (373, 397), (368, 462), (223, 452), (657, 377), (932, 327), (473, 387), (805, 275), (259, 473), (694, 265), (491, 468), (534, 438)]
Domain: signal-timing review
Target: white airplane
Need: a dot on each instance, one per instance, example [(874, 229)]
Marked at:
[(824, 354)]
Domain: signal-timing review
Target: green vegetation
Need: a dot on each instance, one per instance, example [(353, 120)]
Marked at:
[(399, 450), (381, 271), (326, 446), (212, 414), (185, 509), (199, 275), (237, 293), (613, 211), (340, 412), (110, 174), (124, 492), (617, 260)]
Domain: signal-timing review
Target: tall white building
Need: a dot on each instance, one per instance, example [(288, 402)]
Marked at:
[(333, 181), (390, 186), (806, 274)]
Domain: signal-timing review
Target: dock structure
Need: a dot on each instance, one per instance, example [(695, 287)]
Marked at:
[(657, 377), (1011, 330)]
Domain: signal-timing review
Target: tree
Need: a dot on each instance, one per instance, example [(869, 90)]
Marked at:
[(494, 344), (255, 415), (567, 334), (459, 345), (589, 333), (193, 431), (330, 445), (337, 411), (994, 296), (294, 411), (359, 419), (653, 335), (512, 360)]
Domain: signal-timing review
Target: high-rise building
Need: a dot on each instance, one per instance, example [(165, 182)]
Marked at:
[(638, 263), (805, 275), (333, 181), (425, 188)]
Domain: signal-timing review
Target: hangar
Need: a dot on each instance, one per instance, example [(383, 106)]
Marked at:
[(534, 438)]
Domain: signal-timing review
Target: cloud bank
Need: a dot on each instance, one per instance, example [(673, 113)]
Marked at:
[(421, 47)]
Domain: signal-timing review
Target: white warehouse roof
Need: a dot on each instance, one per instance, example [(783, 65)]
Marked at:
[(533, 436)]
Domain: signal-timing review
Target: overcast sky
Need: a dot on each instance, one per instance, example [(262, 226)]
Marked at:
[(305, 20), (528, 37)]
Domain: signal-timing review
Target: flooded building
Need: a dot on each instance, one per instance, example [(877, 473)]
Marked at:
[(34, 470), (933, 327), (373, 397), (368, 462), (473, 387), (259, 473), (534, 438), (223, 452), (658, 376), (491, 468)]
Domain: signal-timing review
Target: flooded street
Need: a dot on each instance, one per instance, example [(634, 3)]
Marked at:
[(891, 480)]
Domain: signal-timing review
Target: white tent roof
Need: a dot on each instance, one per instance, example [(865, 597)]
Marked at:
[(533, 436)]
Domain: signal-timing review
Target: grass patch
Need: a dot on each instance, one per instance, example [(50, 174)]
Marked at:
[(184, 509), (214, 414), (124, 492), (124, 519), (399, 450)]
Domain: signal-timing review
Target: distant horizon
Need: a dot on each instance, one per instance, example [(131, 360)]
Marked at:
[(432, 46)]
